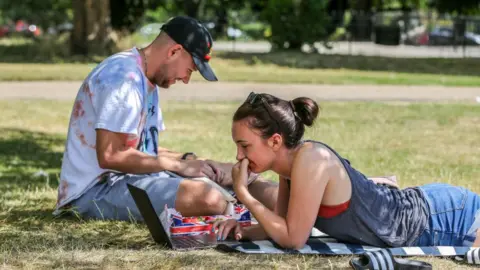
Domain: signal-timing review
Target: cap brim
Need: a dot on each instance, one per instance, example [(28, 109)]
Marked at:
[(205, 69)]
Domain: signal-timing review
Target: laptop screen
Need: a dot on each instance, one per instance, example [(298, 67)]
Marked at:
[(155, 226)]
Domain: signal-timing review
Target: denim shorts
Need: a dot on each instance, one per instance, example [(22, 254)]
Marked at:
[(110, 198), (454, 216)]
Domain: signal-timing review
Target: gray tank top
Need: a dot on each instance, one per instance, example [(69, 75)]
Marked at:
[(377, 215)]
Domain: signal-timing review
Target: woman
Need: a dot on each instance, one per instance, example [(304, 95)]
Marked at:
[(320, 188)]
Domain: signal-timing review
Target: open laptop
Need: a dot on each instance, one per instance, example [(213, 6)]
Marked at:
[(158, 230)]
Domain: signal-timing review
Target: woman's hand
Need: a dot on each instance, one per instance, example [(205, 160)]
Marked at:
[(225, 228), (240, 175)]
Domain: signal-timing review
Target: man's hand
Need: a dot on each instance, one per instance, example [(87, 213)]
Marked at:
[(196, 168), (222, 172)]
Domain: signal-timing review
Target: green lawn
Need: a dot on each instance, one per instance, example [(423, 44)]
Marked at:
[(236, 70), (25, 60), (420, 143)]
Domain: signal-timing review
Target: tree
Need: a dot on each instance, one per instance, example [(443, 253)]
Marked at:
[(127, 15), (295, 22), (219, 11), (189, 7), (91, 28), (45, 13), (361, 25), (336, 11), (463, 7)]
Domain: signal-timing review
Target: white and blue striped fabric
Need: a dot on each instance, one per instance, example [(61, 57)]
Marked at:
[(330, 246), (473, 256)]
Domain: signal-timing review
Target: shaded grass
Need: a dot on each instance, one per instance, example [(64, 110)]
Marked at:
[(420, 143)]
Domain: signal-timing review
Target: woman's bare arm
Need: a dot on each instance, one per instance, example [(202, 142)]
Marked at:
[(310, 175)]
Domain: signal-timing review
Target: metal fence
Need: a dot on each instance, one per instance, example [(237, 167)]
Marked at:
[(393, 34)]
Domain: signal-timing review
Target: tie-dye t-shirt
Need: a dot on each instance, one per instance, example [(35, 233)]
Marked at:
[(116, 96)]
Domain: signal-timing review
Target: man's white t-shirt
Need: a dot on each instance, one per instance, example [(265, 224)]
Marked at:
[(115, 96)]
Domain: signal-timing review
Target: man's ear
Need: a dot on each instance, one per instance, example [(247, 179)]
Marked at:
[(175, 51), (275, 141)]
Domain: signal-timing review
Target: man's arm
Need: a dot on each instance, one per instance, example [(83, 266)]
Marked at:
[(176, 155), (114, 154)]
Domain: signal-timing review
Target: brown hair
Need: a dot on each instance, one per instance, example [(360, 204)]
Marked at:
[(271, 115)]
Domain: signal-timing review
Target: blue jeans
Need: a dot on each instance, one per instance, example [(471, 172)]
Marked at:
[(110, 198), (452, 215)]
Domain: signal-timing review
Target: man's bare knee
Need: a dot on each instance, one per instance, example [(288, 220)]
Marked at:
[(265, 191), (214, 201), (195, 198)]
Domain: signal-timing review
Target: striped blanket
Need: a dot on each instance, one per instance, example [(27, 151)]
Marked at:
[(330, 246)]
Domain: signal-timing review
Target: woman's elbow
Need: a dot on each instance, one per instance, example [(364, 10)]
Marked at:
[(293, 243)]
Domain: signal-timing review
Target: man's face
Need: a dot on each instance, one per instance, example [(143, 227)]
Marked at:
[(178, 67)]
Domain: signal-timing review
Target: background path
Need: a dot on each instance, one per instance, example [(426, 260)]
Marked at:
[(230, 91)]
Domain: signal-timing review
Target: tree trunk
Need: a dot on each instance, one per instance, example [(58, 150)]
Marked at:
[(92, 31), (190, 7), (295, 45), (406, 19), (79, 33), (222, 22), (361, 25)]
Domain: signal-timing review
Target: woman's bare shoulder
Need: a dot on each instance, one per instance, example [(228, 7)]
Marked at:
[(315, 150)]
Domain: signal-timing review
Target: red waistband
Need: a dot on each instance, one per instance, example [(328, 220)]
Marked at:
[(329, 211)]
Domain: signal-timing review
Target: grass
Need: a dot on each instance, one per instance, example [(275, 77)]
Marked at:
[(420, 143), (235, 70), (48, 60)]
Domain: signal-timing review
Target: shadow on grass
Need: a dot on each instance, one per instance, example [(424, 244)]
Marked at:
[(364, 63), (28, 159), (34, 228), (27, 201)]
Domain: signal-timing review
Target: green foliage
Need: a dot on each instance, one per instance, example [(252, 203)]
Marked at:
[(45, 13), (255, 30), (463, 7), (294, 22), (158, 15), (127, 15)]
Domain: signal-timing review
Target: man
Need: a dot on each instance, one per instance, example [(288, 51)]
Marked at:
[(113, 134)]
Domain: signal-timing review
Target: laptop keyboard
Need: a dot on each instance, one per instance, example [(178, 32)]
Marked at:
[(189, 242)]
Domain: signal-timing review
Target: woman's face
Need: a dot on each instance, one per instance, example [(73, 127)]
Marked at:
[(252, 146)]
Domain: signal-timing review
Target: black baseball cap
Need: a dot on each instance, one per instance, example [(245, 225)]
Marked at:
[(195, 38)]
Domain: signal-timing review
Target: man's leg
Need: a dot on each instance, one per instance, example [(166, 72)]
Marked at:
[(264, 191), (112, 200), (196, 198)]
